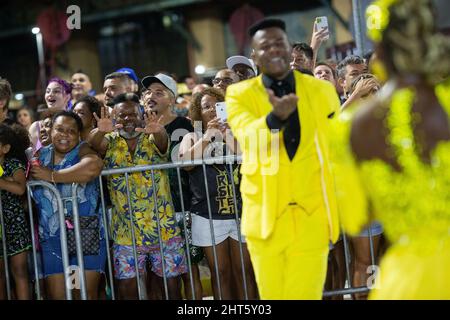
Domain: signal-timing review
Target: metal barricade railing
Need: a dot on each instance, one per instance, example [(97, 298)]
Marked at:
[(79, 247), (178, 166), (106, 232), (63, 234)]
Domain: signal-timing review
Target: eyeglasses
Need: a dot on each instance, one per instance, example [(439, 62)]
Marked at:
[(227, 81)]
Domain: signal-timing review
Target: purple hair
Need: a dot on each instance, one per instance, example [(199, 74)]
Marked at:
[(67, 87)]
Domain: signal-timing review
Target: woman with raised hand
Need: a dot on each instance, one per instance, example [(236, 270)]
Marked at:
[(226, 237)]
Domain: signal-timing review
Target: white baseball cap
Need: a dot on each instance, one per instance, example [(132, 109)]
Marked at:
[(165, 80), (234, 60)]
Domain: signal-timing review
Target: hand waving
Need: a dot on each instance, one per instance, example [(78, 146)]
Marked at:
[(105, 123), (152, 125)]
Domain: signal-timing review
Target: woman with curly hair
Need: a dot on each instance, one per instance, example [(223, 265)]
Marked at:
[(222, 220), (85, 108), (401, 145)]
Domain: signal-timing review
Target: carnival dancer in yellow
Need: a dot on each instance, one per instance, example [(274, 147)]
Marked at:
[(401, 143), (281, 119)]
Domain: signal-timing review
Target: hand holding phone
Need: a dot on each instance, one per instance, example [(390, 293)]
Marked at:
[(221, 111)]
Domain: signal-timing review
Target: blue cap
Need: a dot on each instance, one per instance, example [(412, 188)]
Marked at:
[(130, 73)]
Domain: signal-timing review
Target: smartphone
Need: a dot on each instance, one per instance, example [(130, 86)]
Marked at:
[(322, 23), (221, 111)]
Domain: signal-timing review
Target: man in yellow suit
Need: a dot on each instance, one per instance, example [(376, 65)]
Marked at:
[(280, 119)]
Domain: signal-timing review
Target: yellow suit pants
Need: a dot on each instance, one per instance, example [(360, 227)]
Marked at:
[(292, 262)]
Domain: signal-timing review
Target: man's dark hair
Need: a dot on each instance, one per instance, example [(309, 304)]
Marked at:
[(306, 48), (340, 69), (69, 114), (5, 91), (126, 97), (93, 104), (118, 75), (266, 23)]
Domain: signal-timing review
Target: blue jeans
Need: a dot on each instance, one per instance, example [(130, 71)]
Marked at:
[(52, 258)]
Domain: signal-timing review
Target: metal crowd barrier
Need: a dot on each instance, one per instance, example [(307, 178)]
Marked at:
[(63, 234), (228, 160), (178, 166)]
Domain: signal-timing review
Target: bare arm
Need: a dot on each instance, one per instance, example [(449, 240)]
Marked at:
[(157, 132), (318, 36), (193, 147), (363, 88), (161, 141), (89, 167), (97, 141)]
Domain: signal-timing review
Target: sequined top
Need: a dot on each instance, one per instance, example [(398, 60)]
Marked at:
[(414, 201)]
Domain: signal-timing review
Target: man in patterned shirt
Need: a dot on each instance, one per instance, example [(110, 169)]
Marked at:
[(126, 144)]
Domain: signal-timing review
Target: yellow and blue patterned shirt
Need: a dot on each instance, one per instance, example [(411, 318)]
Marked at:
[(141, 193)]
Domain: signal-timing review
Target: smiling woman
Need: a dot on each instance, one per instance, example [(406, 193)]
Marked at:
[(85, 109), (65, 161)]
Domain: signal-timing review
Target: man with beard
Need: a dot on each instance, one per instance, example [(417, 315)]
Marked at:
[(347, 71), (242, 66), (159, 99), (289, 208), (126, 144), (224, 78)]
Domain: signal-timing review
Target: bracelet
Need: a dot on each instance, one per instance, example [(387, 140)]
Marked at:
[(53, 177)]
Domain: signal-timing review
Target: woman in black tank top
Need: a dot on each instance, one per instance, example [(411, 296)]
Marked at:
[(214, 203)]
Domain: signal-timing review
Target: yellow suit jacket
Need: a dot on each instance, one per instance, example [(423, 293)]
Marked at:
[(270, 181)]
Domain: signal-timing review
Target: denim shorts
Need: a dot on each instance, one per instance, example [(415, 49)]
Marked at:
[(52, 258)]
